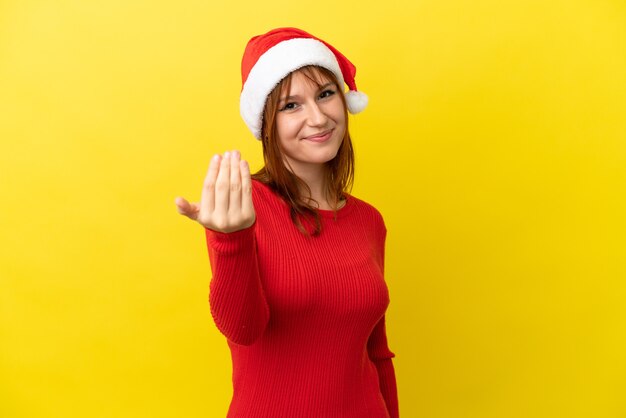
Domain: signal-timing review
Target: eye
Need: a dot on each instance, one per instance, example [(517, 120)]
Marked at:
[(327, 93), (289, 106)]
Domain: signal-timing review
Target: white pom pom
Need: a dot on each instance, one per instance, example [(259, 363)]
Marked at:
[(356, 100)]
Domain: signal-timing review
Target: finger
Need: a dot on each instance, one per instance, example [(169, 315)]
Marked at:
[(247, 207), (222, 185), (185, 208), (235, 183), (207, 202)]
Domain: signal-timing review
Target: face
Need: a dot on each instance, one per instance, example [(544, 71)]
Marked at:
[(310, 122)]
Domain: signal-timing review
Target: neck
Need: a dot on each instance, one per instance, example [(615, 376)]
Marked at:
[(315, 178)]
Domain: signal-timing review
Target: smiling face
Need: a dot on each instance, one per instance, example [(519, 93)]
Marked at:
[(310, 122)]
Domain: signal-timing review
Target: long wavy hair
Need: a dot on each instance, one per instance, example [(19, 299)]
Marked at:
[(276, 173)]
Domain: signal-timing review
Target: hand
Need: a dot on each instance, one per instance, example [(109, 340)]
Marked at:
[(226, 203)]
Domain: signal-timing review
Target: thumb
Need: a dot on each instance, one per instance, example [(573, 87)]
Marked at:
[(185, 208)]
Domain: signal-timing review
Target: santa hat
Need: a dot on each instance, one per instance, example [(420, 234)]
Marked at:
[(270, 57)]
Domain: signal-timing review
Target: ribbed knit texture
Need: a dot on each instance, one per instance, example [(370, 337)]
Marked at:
[(304, 316)]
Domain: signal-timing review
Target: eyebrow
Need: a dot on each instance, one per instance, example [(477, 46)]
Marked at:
[(284, 99)]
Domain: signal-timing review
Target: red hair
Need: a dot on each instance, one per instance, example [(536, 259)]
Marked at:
[(340, 170)]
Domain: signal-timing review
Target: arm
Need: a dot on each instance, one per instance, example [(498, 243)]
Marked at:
[(236, 297), (226, 212), (377, 346), (381, 356)]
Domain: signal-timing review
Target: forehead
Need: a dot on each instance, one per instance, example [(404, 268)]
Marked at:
[(311, 76)]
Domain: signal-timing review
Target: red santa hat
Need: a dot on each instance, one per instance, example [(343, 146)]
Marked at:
[(270, 57)]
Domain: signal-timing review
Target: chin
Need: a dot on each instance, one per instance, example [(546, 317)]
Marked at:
[(328, 158)]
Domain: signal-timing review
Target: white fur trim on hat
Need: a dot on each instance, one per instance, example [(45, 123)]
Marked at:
[(274, 65)]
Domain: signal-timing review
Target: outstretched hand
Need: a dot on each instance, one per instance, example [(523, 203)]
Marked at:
[(226, 202)]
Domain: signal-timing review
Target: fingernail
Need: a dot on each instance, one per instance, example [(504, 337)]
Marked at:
[(236, 154), (216, 157), (226, 154)]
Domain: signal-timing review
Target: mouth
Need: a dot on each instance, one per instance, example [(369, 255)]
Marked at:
[(320, 137)]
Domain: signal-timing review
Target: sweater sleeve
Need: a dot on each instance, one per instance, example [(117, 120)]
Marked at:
[(236, 296), (381, 356), (377, 346)]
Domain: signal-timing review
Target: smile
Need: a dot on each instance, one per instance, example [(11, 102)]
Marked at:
[(321, 137)]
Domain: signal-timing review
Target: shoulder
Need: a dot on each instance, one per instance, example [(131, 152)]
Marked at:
[(366, 207), (368, 213), (261, 189), (258, 185), (265, 198)]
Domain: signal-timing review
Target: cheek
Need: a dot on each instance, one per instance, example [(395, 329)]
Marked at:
[(287, 128), (338, 112)]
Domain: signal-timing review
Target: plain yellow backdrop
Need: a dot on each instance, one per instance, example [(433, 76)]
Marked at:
[(494, 145)]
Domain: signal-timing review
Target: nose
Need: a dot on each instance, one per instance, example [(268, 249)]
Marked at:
[(316, 115)]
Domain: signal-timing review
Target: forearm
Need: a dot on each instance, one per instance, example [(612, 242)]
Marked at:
[(236, 296), (388, 387), (382, 356)]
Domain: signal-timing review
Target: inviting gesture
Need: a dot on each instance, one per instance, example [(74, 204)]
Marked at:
[(226, 202), (303, 279)]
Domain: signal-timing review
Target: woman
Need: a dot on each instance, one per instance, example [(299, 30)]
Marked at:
[(298, 287)]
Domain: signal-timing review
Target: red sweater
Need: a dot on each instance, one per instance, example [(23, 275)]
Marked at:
[(304, 316)]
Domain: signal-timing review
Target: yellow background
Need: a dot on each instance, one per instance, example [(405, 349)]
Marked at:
[(494, 145)]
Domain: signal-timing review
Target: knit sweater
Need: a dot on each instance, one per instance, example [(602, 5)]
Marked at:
[(304, 316)]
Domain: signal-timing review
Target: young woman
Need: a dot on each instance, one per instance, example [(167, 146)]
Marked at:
[(298, 287)]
